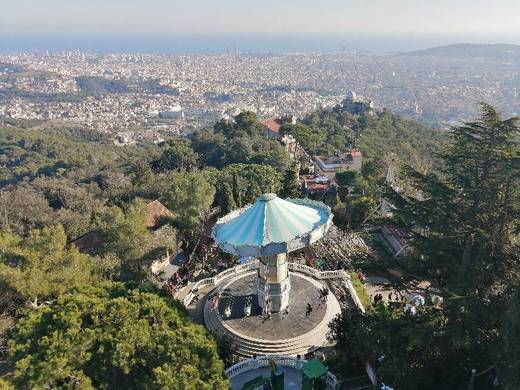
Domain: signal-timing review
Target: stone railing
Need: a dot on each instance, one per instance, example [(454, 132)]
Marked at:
[(281, 360), (217, 278), (339, 274), (263, 361), (254, 264), (317, 273)]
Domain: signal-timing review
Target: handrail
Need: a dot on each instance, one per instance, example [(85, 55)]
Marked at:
[(263, 361), (282, 360), (317, 273), (254, 264), (217, 278)]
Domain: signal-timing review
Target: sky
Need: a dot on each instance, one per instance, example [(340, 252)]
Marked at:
[(153, 17)]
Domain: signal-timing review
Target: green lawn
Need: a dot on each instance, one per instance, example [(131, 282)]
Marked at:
[(360, 291)]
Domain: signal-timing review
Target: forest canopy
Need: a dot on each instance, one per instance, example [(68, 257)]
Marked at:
[(60, 185)]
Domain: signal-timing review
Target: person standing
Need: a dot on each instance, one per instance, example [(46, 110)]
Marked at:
[(308, 310)]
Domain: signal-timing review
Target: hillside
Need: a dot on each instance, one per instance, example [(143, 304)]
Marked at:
[(470, 50), (378, 135)]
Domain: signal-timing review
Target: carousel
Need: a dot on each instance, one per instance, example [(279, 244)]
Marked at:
[(268, 230), (268, 305)]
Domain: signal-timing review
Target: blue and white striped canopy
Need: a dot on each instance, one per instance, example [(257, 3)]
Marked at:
[(272, 225)]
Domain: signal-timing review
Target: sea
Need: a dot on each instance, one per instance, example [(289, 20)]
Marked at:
[(236, 43)]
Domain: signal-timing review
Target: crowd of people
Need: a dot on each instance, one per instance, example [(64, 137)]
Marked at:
[(391, 297)]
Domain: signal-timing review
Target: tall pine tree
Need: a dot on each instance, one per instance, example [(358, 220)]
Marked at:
[(291, 185), (464, 219)]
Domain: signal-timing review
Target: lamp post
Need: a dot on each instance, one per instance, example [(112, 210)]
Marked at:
[(472, 379)]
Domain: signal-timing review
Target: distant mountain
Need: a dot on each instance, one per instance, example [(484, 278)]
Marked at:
[(470, 50)]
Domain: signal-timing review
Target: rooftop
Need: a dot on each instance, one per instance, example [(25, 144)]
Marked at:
[(156, 211), (273, 124), (314, 369)]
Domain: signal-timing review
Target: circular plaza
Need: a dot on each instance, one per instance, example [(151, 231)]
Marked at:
[(294, 331)]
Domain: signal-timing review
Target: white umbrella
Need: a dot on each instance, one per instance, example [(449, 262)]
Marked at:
[(410, 310), (417, 300)]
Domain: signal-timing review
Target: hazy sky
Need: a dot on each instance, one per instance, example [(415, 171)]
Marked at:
[(447, 17)]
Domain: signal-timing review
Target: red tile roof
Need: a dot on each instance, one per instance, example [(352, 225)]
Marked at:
[(311, 185), (273, 124), (156, 211)]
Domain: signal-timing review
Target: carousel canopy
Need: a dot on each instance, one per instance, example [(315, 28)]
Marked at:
[(272, 225)]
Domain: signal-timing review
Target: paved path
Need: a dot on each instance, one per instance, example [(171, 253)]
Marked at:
[(380, 285)]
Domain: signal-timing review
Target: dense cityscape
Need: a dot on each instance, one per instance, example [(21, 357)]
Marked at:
[(123, 92)]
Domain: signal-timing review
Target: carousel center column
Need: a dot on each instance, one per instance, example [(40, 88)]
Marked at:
[(273, 284)]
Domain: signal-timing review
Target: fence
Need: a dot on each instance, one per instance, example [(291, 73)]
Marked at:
[(317, 273), (284, 361), (217, 278), (254, 264)]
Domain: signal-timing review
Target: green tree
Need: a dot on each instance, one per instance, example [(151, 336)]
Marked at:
[(478, 194), (247, 122), (225, 199), (74, 153), (41, 266), (508, 351), (331, 131), (339, 211), (76, 204), (189, 195), (464, 224), (238, 142), (116, 185), (373, 168), (226, 128), (359, 208), (239, 150), (308, 139), (227, 349), (143, 177), (346, 178), (178, 156), (211, 147), (407, 351), (23, 209), (109, 337), (248, 181), (291, 187), (125, 233), (4, 385), (270, 152)]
